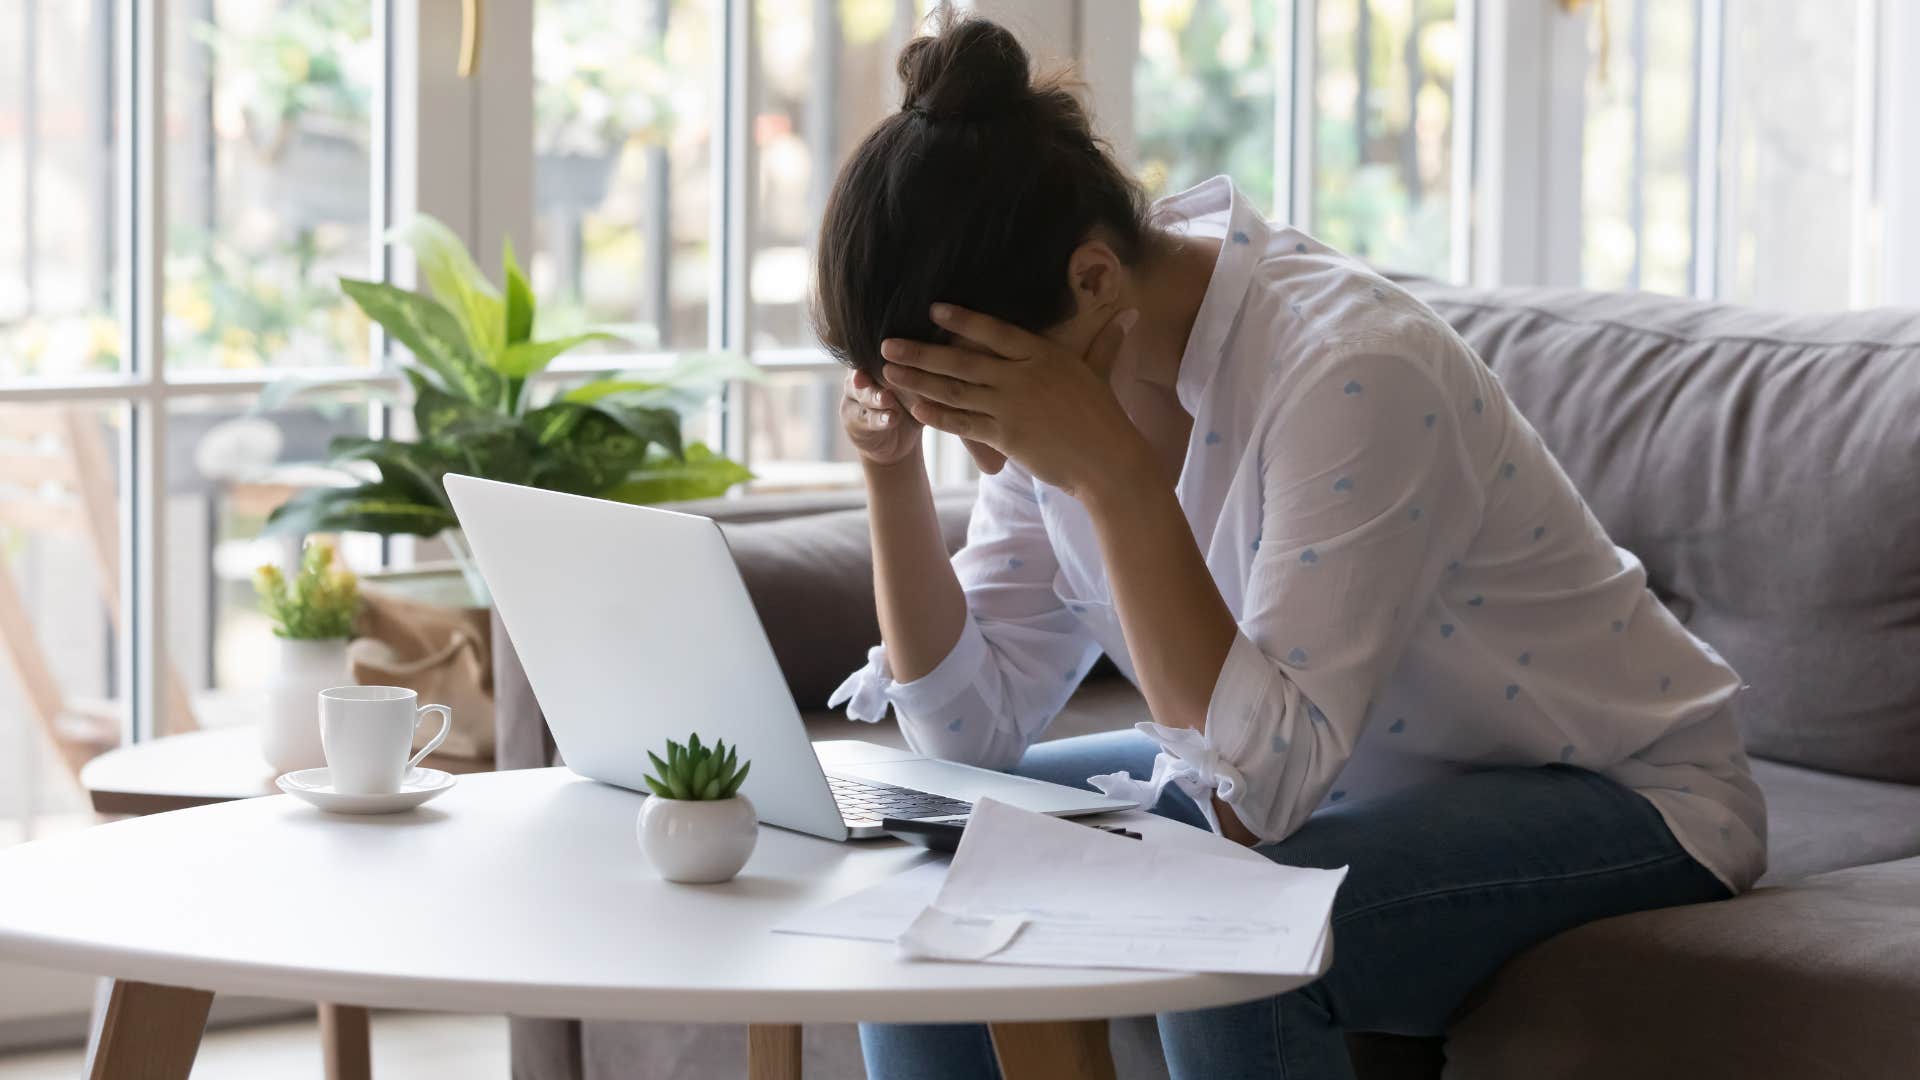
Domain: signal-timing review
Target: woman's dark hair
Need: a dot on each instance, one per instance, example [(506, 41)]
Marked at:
[(975, 193)]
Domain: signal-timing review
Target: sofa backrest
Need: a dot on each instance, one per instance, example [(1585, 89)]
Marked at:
[(808, 565), (1766, 469)]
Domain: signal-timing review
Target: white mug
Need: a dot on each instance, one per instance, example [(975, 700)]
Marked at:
[(366, 731)]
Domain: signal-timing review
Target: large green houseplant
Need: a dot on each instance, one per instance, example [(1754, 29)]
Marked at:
[(473, 355)]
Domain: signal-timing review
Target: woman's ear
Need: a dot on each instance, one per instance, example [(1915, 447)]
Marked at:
[(1094, 273)]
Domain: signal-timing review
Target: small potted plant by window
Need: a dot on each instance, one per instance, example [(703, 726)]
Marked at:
[(312, 619), (697, 828)]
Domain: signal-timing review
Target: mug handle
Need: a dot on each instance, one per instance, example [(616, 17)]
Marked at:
[(446, 725)]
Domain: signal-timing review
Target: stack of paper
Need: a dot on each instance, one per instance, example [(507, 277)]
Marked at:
[(1025, 888)]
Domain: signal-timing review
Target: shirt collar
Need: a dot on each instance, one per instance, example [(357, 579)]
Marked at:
[(1216, 209)]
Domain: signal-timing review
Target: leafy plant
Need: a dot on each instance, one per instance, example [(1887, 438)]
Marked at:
[(697, 773), (473, 354), (318, 604)]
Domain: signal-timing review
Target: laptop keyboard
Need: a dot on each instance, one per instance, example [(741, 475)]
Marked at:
[(863, 802)]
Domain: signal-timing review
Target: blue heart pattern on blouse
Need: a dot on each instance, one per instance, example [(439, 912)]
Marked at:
[(1309, 556), (1213, 438), (1353, 387), (1297, 657), (1512, 691), (958, 723), (1446, 629), (1343, 484), (1240, 238), (1399, 725)]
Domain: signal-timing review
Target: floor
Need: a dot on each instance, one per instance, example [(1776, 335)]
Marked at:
[(406, 1046)]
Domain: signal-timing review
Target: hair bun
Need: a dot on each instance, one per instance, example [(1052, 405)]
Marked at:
[(967, 69)]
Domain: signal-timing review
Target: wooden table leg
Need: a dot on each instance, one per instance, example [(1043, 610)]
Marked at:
[(1064, 1050), (773, 1052), (344, 1042), (149, 1032)]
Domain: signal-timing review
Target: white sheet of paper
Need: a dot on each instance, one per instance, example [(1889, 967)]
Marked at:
[(876, 913), (943, 935), (1078, 897)]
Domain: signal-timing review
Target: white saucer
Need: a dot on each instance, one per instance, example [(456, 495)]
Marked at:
[(316, 786)]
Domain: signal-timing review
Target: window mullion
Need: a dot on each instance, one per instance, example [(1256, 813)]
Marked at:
[(1897, 160), (143, 212), (1466, 118), (1528, 125), (729, 322), (1706, 162), (1298, 166)]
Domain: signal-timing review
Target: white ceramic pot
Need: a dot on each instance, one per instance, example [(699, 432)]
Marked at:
[(698, 842), (290, 732)]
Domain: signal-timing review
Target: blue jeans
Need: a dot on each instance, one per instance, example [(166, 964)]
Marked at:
[(1448, 880)]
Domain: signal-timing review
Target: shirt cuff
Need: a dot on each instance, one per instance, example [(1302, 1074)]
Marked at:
[(868, 691), (1204, 764)]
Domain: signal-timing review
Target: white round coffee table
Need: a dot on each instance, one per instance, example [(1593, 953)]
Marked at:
[(521, 893)]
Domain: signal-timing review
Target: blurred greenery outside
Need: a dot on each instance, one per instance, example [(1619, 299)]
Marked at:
[(1204, 98)]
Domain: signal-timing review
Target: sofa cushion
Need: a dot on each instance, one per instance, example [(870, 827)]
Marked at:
[(1816, 979), (1766, 469), (811, 579), (1818, 821)]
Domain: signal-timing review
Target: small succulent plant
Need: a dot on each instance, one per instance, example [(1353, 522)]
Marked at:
[(698, 773)]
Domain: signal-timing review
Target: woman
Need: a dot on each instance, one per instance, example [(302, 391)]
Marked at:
[(1373, 621)]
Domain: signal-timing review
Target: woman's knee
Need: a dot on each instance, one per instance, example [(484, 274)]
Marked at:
[(1071, 761)]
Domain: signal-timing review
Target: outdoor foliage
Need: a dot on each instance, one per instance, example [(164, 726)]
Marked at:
[(473, 351), (697, 773), (318, 604)]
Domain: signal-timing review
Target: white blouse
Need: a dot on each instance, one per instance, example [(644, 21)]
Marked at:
[(1419, 588)]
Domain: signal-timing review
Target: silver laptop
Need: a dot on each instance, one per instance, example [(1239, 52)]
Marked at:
[(634, 628)]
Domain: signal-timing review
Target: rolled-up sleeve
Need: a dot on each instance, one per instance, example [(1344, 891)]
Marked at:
[(1020, 653), (1367, 495)]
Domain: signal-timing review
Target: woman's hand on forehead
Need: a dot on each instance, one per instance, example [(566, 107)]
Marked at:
[(1020, 394)]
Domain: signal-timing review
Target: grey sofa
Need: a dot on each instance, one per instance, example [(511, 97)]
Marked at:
[(1766, 469)]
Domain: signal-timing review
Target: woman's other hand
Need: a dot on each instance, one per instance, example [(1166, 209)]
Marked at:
[(882, 431)]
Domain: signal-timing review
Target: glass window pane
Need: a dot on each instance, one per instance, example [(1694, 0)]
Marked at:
[(59, 238), (228, 467), (1383, 130), (1204, 95), (826, 77), (60, 628), (1637, 185), (1787, 159), (623, 133), (793, 430), (268, 181)]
